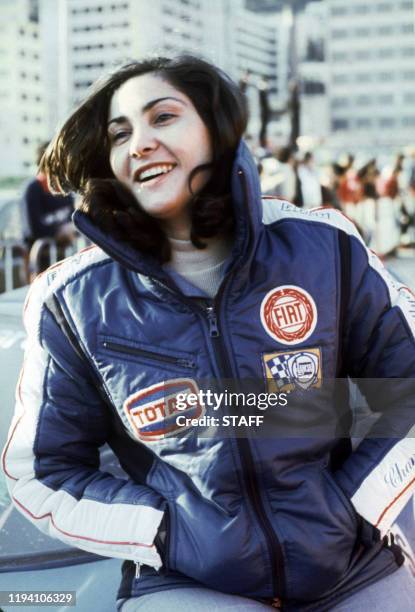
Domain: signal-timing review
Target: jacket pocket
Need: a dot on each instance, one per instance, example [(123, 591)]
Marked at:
[(367, 533), (144, 383), (319, 530), (342, 497), (162, 357)]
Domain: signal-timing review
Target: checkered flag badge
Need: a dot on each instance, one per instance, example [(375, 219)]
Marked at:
[(278, 368)]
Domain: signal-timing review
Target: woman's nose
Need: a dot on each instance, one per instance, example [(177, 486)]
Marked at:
[(142, 143)]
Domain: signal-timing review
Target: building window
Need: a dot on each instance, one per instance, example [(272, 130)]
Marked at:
[(362, 32), (339, 56), (363, 77), (89, 66), (386, 77), (93, 28), (386, 122), (363, 122), (363, 54), (340, 103), (339, 34), (339, 124), (408, 75), (385, 30), (409, 98), (408, 52), (339, 79), (362, 9), (313, 88), (336, 11), (408, 121), (407, 5), (407, 28), (81, 84), (386, 99), (385, 7), (386, 52), (363, 100)]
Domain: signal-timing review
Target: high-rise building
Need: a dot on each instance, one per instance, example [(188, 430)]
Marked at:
[(313, 72), (22, 108), (259, 52), (52, 51), (85, 38), (372, 73)]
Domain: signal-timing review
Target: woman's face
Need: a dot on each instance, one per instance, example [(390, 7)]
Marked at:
[(157, 138)]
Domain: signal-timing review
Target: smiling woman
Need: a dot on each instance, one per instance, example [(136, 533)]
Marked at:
[(148, 119), (195, 287), (157, 139)]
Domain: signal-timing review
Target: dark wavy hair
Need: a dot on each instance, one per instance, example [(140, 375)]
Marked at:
[(78, 157)]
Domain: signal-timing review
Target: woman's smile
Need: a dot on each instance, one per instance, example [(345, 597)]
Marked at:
[(151, 172)]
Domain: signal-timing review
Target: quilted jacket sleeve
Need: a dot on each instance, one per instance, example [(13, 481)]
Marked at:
[(379, 350), (51, 458)]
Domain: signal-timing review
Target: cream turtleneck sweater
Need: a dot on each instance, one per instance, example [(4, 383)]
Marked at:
[(204, 268)]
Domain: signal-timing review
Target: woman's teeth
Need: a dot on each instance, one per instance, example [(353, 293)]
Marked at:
[(151, 173)]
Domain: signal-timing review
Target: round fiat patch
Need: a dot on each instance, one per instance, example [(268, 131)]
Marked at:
[(289, 314)]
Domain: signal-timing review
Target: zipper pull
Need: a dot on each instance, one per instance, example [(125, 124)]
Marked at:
[(213, 322), (137, 569)]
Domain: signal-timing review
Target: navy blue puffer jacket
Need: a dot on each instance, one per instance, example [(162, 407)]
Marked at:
[(289, 513)]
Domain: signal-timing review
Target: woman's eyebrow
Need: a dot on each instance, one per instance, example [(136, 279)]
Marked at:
[(117, 120), (146, 108), (152, 103)]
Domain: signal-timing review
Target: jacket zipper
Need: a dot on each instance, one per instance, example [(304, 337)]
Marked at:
[(129, 350), (222, 359), (274, 546)]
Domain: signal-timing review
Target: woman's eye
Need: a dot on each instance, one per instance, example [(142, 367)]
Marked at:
[(163, 117), (119, 136)]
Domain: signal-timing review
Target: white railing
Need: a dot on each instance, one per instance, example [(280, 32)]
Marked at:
[(19, 266), (14, 264)]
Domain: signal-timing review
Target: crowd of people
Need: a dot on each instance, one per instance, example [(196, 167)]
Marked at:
[(380, 200)]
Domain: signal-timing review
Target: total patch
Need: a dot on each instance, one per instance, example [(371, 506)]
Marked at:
[(289, 370), (152, 412), (289, 314)]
